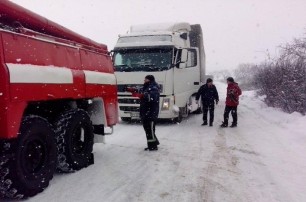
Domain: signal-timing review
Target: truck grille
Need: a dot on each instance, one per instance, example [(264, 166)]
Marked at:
[(128, 101), (122, 87), (129, 109)]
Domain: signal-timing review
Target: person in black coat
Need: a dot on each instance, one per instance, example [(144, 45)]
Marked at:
[(209, 95), (149, 109)]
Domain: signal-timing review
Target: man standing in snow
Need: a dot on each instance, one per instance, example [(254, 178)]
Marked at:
[(209, 95), (231, 103), (149, 109)]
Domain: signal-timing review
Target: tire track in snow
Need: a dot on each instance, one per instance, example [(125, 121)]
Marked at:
[(256, 173), (222, 164)]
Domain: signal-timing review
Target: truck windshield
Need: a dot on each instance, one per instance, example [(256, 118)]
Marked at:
[(147, 60)]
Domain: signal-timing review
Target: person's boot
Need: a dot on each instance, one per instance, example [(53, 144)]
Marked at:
[(233, 125), (157, 141), (204, 123), (211, 121), (224, 125)]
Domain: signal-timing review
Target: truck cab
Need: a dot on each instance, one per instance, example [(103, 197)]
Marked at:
[(174, 54)]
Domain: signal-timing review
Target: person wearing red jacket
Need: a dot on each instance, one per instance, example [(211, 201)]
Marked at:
[(231, 103)]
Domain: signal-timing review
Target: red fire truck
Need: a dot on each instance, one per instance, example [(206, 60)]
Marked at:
[(57, 91)]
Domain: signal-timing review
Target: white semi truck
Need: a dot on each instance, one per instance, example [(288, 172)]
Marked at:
[(174, 54)]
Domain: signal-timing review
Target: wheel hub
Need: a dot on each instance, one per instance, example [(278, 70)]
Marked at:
[(34, 156)]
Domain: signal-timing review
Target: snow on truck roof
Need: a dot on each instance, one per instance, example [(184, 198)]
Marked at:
[(161, 27)]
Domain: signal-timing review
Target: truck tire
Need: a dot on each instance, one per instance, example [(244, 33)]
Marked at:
[(74, 135), (178, 119), (185, 111), (199, 110), (27, 163)]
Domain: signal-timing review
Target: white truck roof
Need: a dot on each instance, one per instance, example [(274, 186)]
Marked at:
[(161, 27)]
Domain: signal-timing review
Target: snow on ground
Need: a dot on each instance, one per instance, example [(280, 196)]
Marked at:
[(262, 160)]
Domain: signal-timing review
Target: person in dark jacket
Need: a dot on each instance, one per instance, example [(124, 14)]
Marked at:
[(209, 95), (231, 103), (149, 109)]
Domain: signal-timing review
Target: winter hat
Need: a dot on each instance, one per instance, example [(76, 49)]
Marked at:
[(150, 77), (230, 79), (209, 80)]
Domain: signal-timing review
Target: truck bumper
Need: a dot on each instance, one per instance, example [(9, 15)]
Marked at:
[(163, 114), (132, 110)]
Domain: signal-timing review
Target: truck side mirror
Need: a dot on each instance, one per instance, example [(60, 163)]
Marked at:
[(111, 53), (184, 58), (182, 65)]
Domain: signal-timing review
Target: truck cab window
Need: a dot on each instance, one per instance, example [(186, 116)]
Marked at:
[(136, 60)]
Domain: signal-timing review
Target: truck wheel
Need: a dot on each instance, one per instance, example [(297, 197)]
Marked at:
[(198, 111), (74, 135), (185, 111), (178, 119), (28, 162)]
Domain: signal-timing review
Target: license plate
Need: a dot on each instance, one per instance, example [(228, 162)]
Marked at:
[(135, 115)]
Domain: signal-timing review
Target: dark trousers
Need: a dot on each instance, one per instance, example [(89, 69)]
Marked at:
[(211, 109), (149, 127), (233, 111)]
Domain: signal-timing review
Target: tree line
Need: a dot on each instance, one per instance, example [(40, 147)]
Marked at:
[(281, 80)]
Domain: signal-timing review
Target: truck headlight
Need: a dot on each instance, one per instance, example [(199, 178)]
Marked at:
[(165, 104)]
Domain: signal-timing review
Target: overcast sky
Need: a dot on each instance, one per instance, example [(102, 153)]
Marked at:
[(235, 31)]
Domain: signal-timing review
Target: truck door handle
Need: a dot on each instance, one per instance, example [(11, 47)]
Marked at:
[(196, 83)]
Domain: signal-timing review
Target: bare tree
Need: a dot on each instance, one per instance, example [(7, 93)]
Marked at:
[(244, 74), (283, 80)]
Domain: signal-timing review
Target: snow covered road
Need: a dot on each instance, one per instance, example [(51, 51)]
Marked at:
[(263, 159)]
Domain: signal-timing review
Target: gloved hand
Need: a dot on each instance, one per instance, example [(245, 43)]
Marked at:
[(139, 95), (130, 89), (231, 92)]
